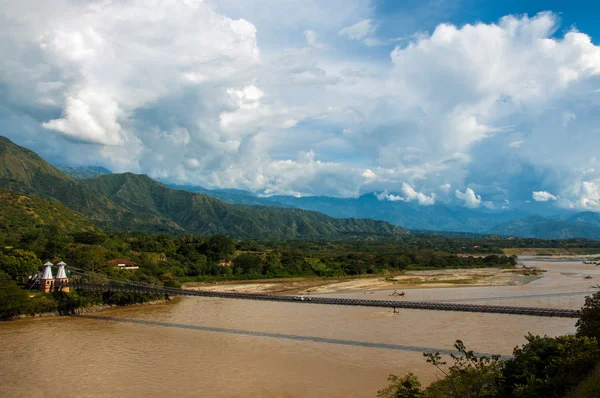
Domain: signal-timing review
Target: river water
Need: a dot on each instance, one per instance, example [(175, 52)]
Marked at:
[(205, 347)]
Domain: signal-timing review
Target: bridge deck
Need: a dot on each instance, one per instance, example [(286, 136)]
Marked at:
[(419, 305)]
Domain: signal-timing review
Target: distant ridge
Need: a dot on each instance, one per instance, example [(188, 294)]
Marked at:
[(543, 228), (80, 173)]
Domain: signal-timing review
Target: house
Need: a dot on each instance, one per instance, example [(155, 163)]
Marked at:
[(123, 263)]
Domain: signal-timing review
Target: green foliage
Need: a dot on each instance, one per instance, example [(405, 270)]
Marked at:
[(469, 376), (20, 214), (13, 299), (408, 386), (543, 367), (588, 388), (18, 264), (221, 246), (589, 322), (549, 367)]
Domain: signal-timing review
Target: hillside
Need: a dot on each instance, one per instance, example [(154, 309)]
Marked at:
[(202, 214), (80, 173), (21, 212), (128, 202), (22, 170), (543, 228)]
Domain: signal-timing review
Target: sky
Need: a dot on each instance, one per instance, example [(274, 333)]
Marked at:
[(479, 103)]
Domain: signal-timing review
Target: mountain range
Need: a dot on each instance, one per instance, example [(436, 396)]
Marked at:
[(137, 202), (129, 202), (539, 220), (440, 217)]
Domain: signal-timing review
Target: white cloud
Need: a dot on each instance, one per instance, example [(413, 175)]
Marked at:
[(369, 175), (194, 99), (410, 194), (543, 196), (385, 195), (90, 116), (470, 199), (359, 30)]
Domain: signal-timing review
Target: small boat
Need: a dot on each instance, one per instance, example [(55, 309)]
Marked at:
[(587, 277)]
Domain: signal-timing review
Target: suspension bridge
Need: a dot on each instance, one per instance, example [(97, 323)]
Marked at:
[(87, 280), (416, 305)]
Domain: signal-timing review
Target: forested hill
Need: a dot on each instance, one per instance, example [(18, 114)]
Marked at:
[(129, 202), (20, 214)]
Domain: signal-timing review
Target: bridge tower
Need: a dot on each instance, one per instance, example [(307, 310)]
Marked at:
[(61, 282), (47, 280)]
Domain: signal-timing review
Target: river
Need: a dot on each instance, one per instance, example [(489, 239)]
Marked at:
[(205, 347)]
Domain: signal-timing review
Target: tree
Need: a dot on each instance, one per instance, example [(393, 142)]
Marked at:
[(18, 264), (13, 299), (469, 376), (549, 366), (248, 263), (91, 258), (221, 246), (589, 321), (200, 267), (407, 387)]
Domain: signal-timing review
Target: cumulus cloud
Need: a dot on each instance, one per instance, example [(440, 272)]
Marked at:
[(543, 196), (194, 99), (470, 199), (410, 194), (385, 195)]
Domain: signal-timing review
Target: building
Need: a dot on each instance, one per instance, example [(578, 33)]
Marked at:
[(61, 282), (123, 263), (48, 283), (47, 280)]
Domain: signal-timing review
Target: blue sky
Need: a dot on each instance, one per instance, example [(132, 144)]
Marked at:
[(579, 13), (479, 103)]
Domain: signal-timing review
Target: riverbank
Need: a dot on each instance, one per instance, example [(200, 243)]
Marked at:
[(94, 309), (405, 280)]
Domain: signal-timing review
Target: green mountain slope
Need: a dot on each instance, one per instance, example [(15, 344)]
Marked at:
[(202, 214), (22, 170), (19, 213)]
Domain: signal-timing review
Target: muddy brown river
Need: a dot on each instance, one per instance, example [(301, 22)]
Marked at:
[(204, 347)]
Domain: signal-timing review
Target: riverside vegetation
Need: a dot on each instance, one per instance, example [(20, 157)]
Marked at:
[(552, 367)]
